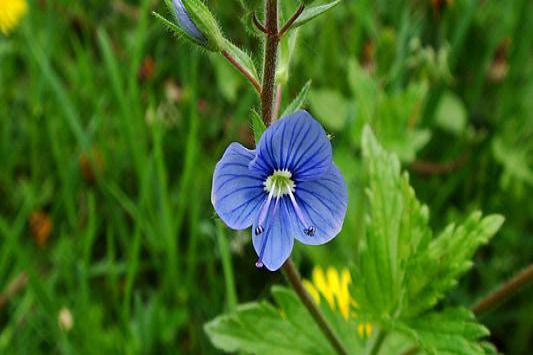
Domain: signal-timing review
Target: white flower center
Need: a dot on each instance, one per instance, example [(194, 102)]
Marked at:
[(281, 182)]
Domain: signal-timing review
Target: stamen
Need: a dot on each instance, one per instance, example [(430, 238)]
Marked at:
[(264, 211), (308, 229), (259, 264)]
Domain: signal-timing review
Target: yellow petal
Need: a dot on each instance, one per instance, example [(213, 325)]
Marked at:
[(11, 12), (313, 292), (319, 279)]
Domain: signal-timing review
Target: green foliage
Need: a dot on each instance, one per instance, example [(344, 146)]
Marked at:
[(311, 13), (436, 268), (258, 125), (403, 271), (242, 58), (451, 331), (394, 117), (120, 158), (299, 101), (261, 328)]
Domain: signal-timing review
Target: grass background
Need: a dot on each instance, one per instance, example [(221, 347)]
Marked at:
[(110, 129)]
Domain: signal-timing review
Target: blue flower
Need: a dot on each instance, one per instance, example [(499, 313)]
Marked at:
[(185, 22), (287, 188)]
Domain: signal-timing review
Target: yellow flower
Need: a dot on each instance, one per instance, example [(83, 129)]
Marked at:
[(334, 288), (11, 12)]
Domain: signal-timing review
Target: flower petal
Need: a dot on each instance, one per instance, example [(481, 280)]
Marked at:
[(278, 237), (237, 193), (185, 21), (323, 202), (297, 143)]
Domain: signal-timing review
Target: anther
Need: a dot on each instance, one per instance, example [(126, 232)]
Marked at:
[(259, 229), (310, 231)]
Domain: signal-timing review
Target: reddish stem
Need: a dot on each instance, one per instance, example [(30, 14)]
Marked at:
[(243, 70)]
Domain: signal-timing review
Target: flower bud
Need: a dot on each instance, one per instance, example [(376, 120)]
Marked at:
[(195, 21)]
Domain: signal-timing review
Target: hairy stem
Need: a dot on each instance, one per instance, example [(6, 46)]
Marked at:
[(271, 57), (293, 276), (291, 21), (245, 72), (267, 108)]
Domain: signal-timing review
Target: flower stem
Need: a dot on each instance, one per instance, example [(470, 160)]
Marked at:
[(271, 57), (267, 108), (291, 21), (379, 338), (245, 72), (295, 280), (505, 290)]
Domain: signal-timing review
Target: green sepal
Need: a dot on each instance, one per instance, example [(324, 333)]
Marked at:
[(206, 23), (176, 29)]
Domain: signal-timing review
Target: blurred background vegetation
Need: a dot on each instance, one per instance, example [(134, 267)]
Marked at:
[(110, 129)]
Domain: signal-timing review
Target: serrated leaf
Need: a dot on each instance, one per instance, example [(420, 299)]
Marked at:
[(261, 328), (299, 101), (436, 269), (452, 331), (396, 227), (402, 270), (243, 59), (311, 12), (258, 126)]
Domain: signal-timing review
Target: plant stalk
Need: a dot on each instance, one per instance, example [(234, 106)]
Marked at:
[(271, 58), (293, 276), (506, 290)]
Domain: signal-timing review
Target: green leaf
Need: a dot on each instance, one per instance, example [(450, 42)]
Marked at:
[(396, 227), (299, 101), (452, 331), (228, 81), (287, 47), (393, 116), (451, 114), (261, 328), (311, 12), (330, 107), (258, 126), (436, 269), (242, 58), (402, 270)]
